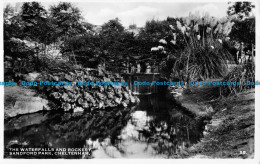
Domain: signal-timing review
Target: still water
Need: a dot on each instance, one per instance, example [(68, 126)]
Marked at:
[(155, 128)]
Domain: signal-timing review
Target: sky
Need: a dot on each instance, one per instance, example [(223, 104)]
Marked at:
[(138, 13)]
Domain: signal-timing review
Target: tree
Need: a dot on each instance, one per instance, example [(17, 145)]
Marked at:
[(38, 26), (68, 21), (85, 47), (67, 18), (31, 11), (244, 28), (240, 9), (110, 35), (244, 31)]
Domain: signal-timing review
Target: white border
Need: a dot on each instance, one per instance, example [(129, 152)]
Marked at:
[(256, 159)]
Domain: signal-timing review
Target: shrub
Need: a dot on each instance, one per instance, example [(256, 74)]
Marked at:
[(241, 74), (204, 55)]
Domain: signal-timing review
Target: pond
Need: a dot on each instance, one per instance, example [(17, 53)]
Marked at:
[(155, 128)]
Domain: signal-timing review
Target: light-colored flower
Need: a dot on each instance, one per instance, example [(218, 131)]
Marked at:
[(227, 38), (183, 29), (174, 36), (187, 21), (220, 41), (206, 18), (213, 22), (227, 27), (219, 29), (160, 48), (187, 27), (198, 37), (173, 42), (196, 27), (163, 41), (212, 47), (171, 26), (154, 49), (179, 26)]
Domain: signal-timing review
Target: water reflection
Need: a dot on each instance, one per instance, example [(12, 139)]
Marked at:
[(155, 128)]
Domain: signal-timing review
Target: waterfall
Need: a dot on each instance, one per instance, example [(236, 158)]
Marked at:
[(142, 77)]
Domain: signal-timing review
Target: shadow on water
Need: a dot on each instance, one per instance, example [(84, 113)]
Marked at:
[(156, 127)]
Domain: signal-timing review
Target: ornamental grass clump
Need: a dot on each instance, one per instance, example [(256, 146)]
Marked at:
[(240, 74), (204, 56)]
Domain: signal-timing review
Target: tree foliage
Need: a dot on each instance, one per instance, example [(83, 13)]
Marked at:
[(240, 9), (244, 31), (67, 18)]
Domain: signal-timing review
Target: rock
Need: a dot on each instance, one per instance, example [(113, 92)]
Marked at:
[(101, 105), (74, 96), (108, 103), (80, 101), (25, 120), (57, 87), (118, 91), (78, 109), (89, 97), (56, 78), (73, 100), (118, 100), (71, 95), (68, 77), (66, 106), (65, 97), (85, 104), (69, 88), (34, 104), (105, 79), (31, 76), (101, 96), (101, 88), (56, 95), (110, 95), (110, 89), (19, 100)]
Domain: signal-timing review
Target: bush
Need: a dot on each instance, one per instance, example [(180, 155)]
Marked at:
[(240, 74), (204, 55), (202, 63)]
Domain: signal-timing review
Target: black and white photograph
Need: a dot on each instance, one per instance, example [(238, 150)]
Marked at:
[(129, 80)]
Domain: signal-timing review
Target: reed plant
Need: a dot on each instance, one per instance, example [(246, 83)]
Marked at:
[(203, 56)]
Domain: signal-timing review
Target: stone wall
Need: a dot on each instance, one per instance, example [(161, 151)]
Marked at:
[(85, 97)]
